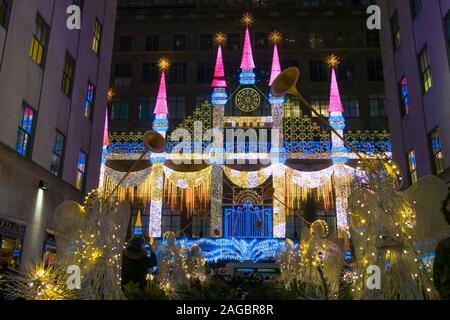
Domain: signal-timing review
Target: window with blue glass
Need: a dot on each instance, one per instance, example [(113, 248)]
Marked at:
[(90, 101), (25, 131), (436, 148), (57, 154), (404, 96), (412, 165), (80, 182)]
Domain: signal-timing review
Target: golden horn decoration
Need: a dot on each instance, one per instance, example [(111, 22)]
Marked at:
[(286, 83), (154, 142)]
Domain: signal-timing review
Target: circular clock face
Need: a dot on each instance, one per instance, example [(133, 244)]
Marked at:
[(248, 100)]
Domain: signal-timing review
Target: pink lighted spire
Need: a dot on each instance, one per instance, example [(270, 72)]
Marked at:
[(161, 101), (335, 97), (106, 131), (247, 55), (276, 68), (219, 72)]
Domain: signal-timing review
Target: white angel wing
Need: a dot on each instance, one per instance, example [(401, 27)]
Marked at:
[(427, 196)]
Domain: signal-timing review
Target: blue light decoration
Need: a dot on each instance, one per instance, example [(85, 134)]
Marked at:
[(161, 125), (248, 221), (276, 100), (305, 147), (238, 250), (219, 97), (247, 77)]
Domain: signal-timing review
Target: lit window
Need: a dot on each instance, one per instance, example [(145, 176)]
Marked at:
[(320, 104), (436, 148), (425, 68), (412, 164), (80, 183), (97, 37), (292, 108), (25, 132), (404, 96), (395, 31), (90, 101), (39, 41), (57, 154)]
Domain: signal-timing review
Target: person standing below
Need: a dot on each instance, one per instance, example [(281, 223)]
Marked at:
[(441, 268), (137, 264)]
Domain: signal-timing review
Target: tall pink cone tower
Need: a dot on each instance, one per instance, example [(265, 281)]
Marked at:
[(106, 131), (219, 97), (161, 101), (247, 55), (276, 67), (161, 124), (336, 119), (247, 76), (335, 97), (219, 80), (104, 150)]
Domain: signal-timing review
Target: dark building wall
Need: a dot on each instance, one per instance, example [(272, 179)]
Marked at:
[(341, 25)]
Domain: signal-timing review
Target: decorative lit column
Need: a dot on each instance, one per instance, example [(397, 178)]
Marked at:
[(160, 125), (247, 76), (279, 208), (277, 151), (156, 204), (336, 119), (219, 100), (339, 151)]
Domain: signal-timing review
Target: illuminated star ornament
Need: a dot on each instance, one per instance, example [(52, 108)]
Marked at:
[(247, 20), (164, 64), (221, 38), (275, 37), (111, 94), (333, 61)]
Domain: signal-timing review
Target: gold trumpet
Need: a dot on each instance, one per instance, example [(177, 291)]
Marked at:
[(286, 83)]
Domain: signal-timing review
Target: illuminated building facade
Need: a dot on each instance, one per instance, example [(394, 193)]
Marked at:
[(238, 193)]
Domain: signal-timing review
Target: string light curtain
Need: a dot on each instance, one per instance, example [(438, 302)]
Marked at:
[(187, 189)]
